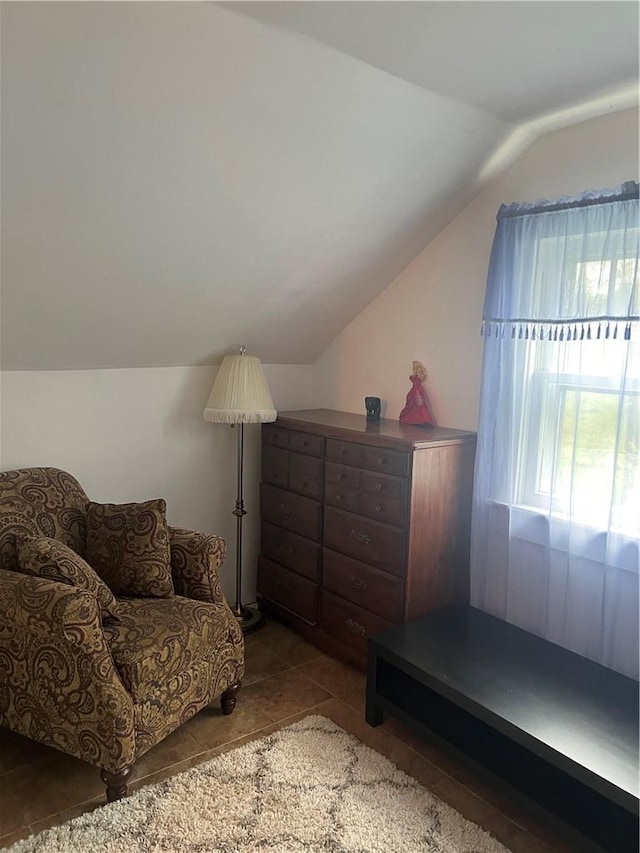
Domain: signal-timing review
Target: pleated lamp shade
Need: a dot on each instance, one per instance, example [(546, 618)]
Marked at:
[(240, 394)]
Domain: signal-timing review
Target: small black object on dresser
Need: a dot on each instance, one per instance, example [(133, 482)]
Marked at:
[(364, 524), (555, 726)]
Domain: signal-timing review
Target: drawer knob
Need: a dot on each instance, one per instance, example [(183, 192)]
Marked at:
[(356, 627), (289, 549), (378, 508), (305, 443), (338, 498), (357, 583), (381, 460), (287, 510), (378, 487), (359, 536), (338, 477)]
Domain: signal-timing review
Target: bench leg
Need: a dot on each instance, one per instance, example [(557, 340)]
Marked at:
[(373, 713)]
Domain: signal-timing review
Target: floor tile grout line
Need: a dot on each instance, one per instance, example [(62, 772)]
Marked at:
[(83, 804)]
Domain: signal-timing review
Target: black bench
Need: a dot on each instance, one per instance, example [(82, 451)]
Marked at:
[(558, 727)]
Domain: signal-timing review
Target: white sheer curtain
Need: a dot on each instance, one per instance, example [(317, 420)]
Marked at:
[(556, 516)]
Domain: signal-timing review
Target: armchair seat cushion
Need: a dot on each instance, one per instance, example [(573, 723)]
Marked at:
[(157, 639)]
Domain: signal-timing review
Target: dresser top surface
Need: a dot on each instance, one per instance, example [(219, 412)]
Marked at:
[(385, 432)]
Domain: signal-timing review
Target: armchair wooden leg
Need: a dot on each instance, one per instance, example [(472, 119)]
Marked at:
[(228, 699), (116, 783)]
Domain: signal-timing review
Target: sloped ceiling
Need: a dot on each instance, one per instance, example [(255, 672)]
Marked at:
[(513, 60), (181, 178)]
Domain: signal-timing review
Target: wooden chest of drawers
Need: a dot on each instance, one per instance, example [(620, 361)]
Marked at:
[(363, 525)]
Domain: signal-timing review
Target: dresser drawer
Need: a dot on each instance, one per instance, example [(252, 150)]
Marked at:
[(305, 475), (391, 488), (375, 495), (275, 435), (342, 475), (337, 495), (275, 465), (369, 541), (304, 442), (341, 486), (349, 624), (376, 591), (344, 451), (382, 509), (385, 461), (374, 506), (293, 551), (363, 456), (288, 590), (295, 512)]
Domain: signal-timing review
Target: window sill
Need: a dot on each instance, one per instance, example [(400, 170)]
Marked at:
[(557, 531)]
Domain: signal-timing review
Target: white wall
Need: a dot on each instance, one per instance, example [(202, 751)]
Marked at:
[(131, 435), (432, 311)]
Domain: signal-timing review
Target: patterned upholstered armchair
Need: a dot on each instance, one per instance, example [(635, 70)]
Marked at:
[(98, 675)]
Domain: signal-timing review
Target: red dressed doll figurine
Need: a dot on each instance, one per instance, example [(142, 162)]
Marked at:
[(417, 409)]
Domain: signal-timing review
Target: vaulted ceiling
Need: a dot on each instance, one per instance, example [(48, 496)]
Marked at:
[(181, 178)]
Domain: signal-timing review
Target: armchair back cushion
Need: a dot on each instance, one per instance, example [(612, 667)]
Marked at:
[(40, 502), (46, 558), (128, 546)]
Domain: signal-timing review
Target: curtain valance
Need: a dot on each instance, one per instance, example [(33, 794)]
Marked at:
[(581, 255)]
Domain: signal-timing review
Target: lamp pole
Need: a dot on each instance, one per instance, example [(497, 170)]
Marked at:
[(239, 513), (249, 618)]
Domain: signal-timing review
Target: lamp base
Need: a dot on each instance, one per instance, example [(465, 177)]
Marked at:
[(249, 618)]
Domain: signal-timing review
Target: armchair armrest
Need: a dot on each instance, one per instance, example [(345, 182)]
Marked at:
[(47, 607), (58, 681), (195, 560)]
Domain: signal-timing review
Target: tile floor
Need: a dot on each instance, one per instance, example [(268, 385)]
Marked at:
[(286, 679)]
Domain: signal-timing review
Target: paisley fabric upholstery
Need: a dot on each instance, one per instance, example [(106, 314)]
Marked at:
[(102, 691), (58, 682), (157, 639), (172, 654), (195, 560), (128, 546), (40, 502), (46, 558)]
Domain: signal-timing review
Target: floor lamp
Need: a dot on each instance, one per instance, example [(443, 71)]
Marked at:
[(240, 395)]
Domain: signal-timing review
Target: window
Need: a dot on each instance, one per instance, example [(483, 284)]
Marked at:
[(555, 541), (579, 454)]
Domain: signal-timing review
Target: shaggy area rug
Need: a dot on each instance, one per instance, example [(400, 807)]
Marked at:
[(308, 788)]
